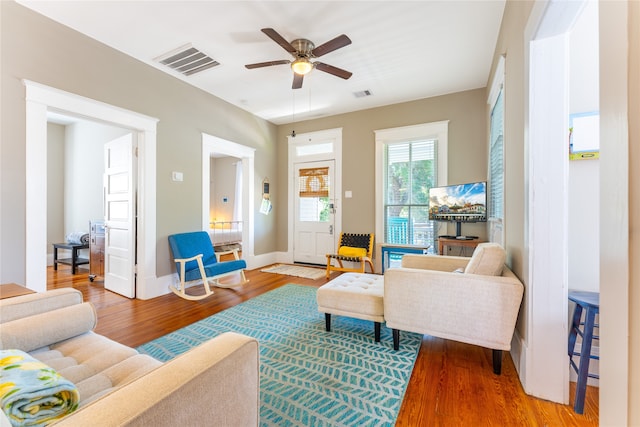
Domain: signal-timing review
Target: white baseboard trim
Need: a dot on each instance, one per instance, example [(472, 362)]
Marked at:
[(158, 286), (284, 257), (155, 287), (258, 261)]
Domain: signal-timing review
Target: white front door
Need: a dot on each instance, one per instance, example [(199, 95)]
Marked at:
[(314, 207), (119, 215)]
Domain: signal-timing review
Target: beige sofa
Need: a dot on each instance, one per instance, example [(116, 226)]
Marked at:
[(216, 383), (477, 304)]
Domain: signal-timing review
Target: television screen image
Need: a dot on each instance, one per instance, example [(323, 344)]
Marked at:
[(459, 203)]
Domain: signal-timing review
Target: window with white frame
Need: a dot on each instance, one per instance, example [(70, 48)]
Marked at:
[(496, 155), (409, 161), (496, 159)]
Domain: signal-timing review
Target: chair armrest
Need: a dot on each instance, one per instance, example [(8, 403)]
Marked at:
[(434, 262), (470, 308), (186, 260), (216, 383), (233, 251), (32, 304)]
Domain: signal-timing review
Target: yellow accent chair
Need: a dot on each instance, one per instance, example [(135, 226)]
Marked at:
[(356, 248)]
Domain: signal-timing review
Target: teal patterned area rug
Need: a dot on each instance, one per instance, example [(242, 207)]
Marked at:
[(310, 377)]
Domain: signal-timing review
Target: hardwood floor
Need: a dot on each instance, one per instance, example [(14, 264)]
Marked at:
[(452, 384)]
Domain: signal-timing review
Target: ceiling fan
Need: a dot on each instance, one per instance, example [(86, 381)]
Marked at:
[(302, 51)]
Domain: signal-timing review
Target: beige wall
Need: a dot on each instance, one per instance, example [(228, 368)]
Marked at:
[(38, 49), (510, 43), (467, 151)]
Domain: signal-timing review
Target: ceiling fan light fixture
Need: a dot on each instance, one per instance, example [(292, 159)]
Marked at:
[(301, 66)]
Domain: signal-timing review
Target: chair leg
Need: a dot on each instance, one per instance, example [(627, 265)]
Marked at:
[(396, 339), (182, 293), (328, 266), (583, 366), (371, 266), (327, 321), (497, 361), (376, 331)]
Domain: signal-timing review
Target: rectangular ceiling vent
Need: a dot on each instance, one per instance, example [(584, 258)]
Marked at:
[(362, 93), (187, 60)]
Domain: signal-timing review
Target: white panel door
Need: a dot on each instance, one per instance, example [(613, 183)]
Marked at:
[(119, 205), (314, 227)]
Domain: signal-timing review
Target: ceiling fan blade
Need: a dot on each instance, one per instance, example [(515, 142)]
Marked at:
[(339, 72), (273, 35), (297, 81), (331, 45), (267, 64)]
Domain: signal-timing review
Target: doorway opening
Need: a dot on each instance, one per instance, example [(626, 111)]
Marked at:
[(227, 209), (544, 367), (75, 190), (40, 100)]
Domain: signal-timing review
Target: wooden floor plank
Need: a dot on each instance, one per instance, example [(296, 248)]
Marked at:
[(451, 384)]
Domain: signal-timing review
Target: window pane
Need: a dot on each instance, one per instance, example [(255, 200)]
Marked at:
[(422, 230), (423, 172), (314, 209), (410, 173), (397, 173), (496, 159), (397, 228), (309, 150)]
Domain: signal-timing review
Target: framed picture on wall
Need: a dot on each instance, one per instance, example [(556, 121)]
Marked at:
[(584, 136)]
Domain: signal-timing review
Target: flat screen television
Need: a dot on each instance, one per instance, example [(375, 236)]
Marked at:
[(459, 203)]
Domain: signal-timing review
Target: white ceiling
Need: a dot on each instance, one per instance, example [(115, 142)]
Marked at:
[(400, 51)]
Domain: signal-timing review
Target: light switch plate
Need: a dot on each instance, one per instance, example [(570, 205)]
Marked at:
[(348, 194), (176, 176)]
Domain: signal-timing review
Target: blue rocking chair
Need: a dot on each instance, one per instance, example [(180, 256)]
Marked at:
[(196, 260)]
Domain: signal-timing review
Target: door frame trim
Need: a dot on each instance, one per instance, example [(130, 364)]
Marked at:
[(40, 99), (310, 138)]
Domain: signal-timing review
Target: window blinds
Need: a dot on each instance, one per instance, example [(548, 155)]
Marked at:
[(314, 182), (496, 159)]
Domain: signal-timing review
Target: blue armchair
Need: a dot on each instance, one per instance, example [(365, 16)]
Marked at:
[(196, 260)]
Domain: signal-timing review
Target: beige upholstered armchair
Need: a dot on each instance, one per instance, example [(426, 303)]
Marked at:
[(472, 300)]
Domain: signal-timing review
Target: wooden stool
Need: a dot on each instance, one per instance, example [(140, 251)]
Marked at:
[(590, 301)]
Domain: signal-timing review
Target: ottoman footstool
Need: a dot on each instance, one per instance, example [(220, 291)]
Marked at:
[(356, 295)]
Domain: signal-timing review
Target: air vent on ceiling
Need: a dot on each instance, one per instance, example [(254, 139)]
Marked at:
[(362, 93), (187, 60)]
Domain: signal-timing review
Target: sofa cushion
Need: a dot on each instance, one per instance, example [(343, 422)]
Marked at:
[(95, 364), (39, 330), (28, 305), (488, 260)]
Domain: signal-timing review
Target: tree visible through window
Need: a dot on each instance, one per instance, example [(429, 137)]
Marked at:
[(410, 171)]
